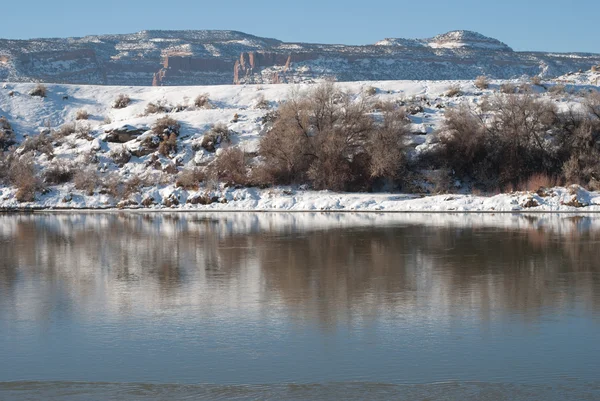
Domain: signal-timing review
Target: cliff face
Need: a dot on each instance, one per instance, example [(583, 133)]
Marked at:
[(225, 57)]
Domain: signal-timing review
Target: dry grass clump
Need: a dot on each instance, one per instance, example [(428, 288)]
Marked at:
[(120, 156), (202, 101), (121, 101), (482, 82), (454, 91), (82, 114), (40, 90), (158, 107), (65, 130), (216, 135)]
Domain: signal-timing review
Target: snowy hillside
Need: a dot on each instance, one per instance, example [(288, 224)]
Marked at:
[(91, 143)]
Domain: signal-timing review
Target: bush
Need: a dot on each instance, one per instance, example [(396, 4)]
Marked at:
[(216, 135), (41, 143), (65, 130), (557, 89), (158, 107), (371, 91), (22, 175), (39, 91), (508, 88), (190, 178), (536, 80), (121, 101), (329, 139), (168, 146), (481, 82), (120, 156), (203, 101), (231, 167), (82, 115), (86, 179), (58, 172), (262, 103), (454, 91), (7, 135), (165, 126)]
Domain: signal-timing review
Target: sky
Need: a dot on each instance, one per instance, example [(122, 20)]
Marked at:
[(544, 25)]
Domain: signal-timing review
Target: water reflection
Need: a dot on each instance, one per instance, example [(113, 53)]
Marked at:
[(330, 268)]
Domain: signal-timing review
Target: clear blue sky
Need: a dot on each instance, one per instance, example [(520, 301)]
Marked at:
[(524, 24)]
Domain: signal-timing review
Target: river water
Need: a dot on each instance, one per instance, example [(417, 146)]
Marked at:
[(299, 306)]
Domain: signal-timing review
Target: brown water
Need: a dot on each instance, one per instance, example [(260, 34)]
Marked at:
[(299, 306)]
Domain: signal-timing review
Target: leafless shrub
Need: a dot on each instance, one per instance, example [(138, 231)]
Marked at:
[(231, 167), (385, 146), (524, 88), (482, 82), (329, 139), (454, 91), (158, 107), (82, 115), (58, 172), (65, 130), (217, 134), (120, 156), (537, 182), (168, 146), (508, 88), (262, 103), (371, 91), (84, 131), (39, 91), (536, 80), (558, 89), (121, 101), (165, 126), (7, 135), (41, 143), (202, 101), (190, 178), (23, 176), (86, 179), (592, 104)]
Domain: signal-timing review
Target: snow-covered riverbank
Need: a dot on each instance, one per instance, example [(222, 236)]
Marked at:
[(573, 199)]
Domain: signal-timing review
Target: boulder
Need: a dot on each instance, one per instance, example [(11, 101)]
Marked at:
[(124, 134)]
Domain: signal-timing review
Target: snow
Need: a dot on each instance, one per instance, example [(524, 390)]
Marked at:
[(29, 115)]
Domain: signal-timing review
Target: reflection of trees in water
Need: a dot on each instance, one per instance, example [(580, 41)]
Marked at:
[(328, 274)]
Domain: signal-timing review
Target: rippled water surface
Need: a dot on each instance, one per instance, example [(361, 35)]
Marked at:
[(299, 306)]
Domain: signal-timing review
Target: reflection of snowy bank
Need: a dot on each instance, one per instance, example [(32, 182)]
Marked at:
[(174, 223), (348, 267)]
